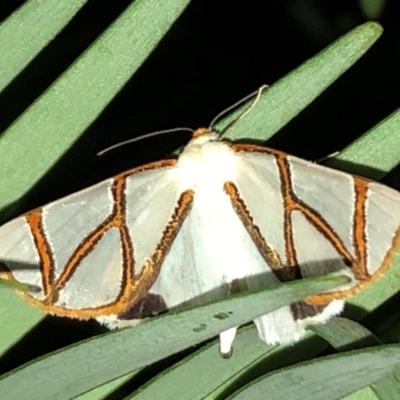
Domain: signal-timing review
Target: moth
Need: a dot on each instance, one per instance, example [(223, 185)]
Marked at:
[(220, 218)]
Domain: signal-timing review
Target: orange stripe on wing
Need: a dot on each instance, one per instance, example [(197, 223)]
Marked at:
[(340, 294), (359, 229), (270, 255), (289, 206), (43, 248)]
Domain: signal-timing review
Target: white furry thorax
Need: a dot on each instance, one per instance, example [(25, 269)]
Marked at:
[(206, 162)]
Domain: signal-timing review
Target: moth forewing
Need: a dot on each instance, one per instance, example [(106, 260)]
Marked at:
[(87, 251), (332, 221)]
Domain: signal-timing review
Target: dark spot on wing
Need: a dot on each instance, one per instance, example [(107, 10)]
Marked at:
[(148, 306), (301, 310)]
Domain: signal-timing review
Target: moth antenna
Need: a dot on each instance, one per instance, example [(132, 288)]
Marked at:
[(328, 157), (145, 136), (257, 95)]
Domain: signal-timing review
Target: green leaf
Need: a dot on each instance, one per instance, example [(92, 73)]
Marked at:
[(214, 378), (103, 390), (375, 153), (24, 34), (287, 97), (388, 388), (372, 9), (327, 378), (362, 394), (16, 285), (216, 371), (344, 334), (114, 354)]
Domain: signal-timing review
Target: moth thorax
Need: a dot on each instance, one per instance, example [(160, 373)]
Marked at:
[(206, 165)]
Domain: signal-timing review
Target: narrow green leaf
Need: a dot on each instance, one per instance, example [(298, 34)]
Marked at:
[(215, 370), (375, 153), (372, 9), (17, 286), (327, 378), (28, 30), (220, 377), (376, 294), (388, 388), (106, 389), (362, 394), (114, 354), (344, 334), (16, 317), (286, 98)]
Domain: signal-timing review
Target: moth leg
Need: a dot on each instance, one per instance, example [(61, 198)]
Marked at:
[(226, 339)]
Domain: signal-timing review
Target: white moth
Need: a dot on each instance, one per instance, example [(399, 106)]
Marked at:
[(221, 218)]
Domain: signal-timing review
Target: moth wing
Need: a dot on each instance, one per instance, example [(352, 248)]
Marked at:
[(309, 220), (95, 252)]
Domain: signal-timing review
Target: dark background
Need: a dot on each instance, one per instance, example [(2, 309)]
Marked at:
[(216, 53)]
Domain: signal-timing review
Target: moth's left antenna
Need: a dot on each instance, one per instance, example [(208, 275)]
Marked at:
[(147, 135)]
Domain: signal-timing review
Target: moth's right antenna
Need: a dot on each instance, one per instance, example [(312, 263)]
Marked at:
[(257, 95)]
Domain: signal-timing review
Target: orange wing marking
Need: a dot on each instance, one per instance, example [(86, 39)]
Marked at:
[(359, 229), (46, 265), (270, 255), (292, 203), (133, 287), (386, 264), (115, 220)]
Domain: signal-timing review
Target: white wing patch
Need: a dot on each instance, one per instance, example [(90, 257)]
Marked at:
[(81, 213), (333, 197), (79, 290), (314, 252), (383, 211), (18, 253)]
